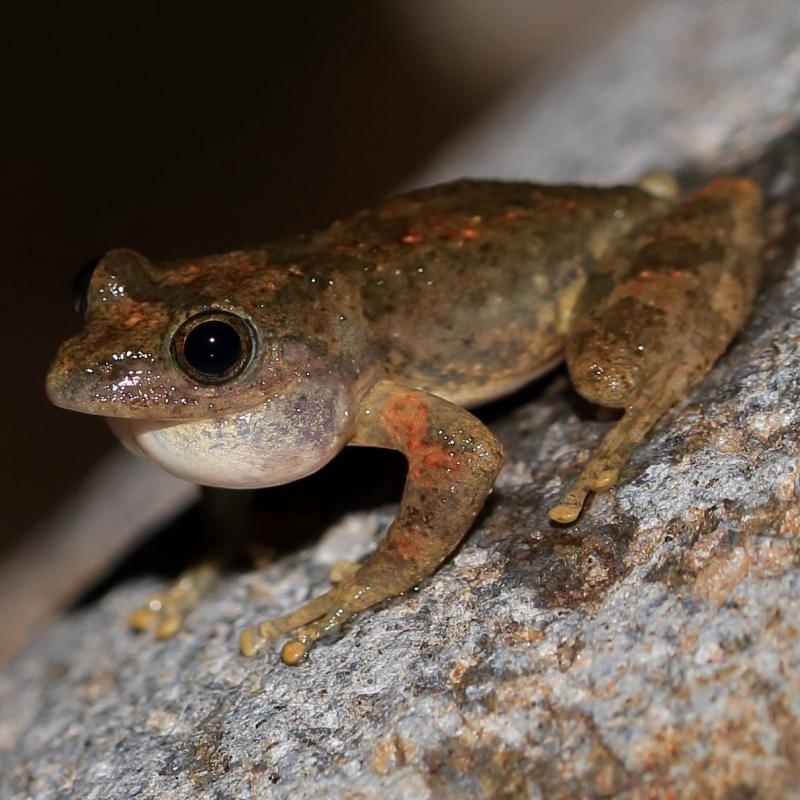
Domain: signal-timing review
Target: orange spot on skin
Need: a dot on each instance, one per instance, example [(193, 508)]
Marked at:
[(413, 237), (468, 233), (133, 320), (185, 276), (407, 419), (140, 318), (409, 544)]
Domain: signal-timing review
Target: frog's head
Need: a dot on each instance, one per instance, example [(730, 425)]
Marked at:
[(224, 370)]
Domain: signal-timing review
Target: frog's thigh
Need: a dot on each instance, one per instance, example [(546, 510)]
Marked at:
[(452, 463)]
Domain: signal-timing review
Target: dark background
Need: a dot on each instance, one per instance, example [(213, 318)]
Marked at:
[(178, 129), (186, 128)]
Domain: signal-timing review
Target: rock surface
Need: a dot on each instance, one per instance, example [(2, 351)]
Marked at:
[(651, 650)]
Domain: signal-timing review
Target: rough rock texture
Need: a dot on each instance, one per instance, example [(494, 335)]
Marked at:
[(651, 650)]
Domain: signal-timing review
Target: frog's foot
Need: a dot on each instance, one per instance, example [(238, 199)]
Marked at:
[(317, 618), (603, 468), (596, 477), (295, 650), (312, 620), (165, 611)]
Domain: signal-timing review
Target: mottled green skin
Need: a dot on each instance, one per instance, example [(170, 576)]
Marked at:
[(379, 329)]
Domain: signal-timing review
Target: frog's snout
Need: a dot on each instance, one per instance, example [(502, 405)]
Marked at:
[(57, 385)]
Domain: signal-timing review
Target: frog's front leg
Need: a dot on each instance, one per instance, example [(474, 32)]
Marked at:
[(657, 315), (452, 464)]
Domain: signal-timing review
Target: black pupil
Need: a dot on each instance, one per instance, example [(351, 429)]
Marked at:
[(213, 347)]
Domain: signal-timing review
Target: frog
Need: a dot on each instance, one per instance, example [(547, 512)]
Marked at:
[(255, 367)]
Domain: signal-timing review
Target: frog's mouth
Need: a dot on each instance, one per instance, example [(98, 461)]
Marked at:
[(246, 450)]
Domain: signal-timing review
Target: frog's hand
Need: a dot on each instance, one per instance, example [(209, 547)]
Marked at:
[(681, 290), (164, 612), (452, 464)]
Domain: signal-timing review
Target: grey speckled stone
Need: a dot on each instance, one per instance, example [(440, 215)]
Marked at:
[(652, 647)]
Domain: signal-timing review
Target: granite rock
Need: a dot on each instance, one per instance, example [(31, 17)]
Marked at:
[(650, 650)]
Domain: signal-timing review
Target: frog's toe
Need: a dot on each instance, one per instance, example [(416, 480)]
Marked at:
[(165, 622), (605, 479), (571, 505), (295, 650), (564, 513), (660, 184), (598, 476), (146, 616)]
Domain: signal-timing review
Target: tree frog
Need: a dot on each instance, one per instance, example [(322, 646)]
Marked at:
[(256, 367)]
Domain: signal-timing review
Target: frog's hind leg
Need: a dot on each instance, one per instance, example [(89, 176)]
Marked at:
[(603, 468), (655, 316), (452, 463)]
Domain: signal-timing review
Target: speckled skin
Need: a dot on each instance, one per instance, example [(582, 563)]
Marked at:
[(379, 329)]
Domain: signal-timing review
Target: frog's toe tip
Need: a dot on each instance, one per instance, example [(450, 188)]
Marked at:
[(250, 642), (142, 618), (169, 625), (564, 513), (293, 652)]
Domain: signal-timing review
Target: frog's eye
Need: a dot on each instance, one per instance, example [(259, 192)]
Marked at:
[(80, 285), (213, 347)]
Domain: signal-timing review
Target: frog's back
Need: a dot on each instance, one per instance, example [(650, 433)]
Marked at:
[(466, 287)]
